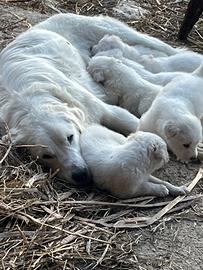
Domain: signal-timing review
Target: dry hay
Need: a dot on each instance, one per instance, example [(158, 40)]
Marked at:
[(47, 224)]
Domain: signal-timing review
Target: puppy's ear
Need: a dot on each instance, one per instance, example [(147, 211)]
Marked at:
[(13, 137), (99, 76), (157, 153), (170, 129), (199, 71), (154, 151)]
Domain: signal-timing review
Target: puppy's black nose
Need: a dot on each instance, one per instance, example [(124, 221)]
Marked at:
[(82, 177)]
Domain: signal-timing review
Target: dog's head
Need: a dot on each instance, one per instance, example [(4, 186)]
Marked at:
[(182, 136), (53, 131), (108, 42), (150, 149)]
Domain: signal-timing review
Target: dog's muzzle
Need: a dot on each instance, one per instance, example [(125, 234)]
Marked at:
[(82, 177)]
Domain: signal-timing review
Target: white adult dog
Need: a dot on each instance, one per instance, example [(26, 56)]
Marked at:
[(176, 115), (49, 98), (182, 61), (123, 166)]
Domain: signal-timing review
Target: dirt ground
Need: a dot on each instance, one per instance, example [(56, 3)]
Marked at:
[(29, 240)]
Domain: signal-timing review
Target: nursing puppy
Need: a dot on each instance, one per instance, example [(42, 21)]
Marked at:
[(123, 166), (182, 60), (176, 115), (124, 86), (135, 53), (113, 46)]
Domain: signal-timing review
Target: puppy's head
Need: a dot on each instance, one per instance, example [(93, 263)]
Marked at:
[(183, 136), (108, 42), (151, 150), (54, 133)]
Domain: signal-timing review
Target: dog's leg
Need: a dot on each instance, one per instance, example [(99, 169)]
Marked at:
[(173, 190), (151, 189), (119, 120)]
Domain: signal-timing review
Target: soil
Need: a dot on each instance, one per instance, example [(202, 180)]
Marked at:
[(176, 242)]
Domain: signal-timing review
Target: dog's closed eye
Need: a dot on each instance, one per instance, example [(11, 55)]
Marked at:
[(70, 138)]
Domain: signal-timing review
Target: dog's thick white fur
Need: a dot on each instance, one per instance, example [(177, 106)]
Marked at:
[(123, 166), (50, 98), (176, 114), (182, 60), (129, 89)]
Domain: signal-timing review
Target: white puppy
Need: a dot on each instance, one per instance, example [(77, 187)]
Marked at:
[(113, 46), (176, 115), (110, 42), (123, 166), (130, 91), (182, 60)]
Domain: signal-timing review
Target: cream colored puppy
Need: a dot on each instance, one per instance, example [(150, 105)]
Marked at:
[(161, 78), (123, 166), (109, 42), (120, 81), (182, 60), (176, 115)]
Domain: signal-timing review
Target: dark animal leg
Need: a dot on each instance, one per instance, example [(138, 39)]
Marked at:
[(194, 10)]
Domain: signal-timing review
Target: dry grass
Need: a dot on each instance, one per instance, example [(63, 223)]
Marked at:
[(47, 224)]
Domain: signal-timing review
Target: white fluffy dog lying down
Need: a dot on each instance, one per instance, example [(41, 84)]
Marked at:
[(176, 115), (123, 85), (182, 60), (123, 166)]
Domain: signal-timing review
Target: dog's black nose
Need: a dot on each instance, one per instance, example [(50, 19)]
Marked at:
[(82, 177)]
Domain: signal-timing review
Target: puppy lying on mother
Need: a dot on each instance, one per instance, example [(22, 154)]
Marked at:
[(48, 98)]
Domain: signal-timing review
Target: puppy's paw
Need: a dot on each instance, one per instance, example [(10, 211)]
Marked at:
[(200, 151), (163, 191), (182, 190)]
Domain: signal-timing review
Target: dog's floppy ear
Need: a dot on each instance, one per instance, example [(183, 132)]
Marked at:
[(13, 136), (170, 129)]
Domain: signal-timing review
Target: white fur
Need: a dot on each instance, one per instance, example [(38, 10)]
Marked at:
[(48, 98), (186, 61), (112, 46), (129, 89), (84, 32), (123, 166), (152, 59), (176, 114), (135, 53)]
